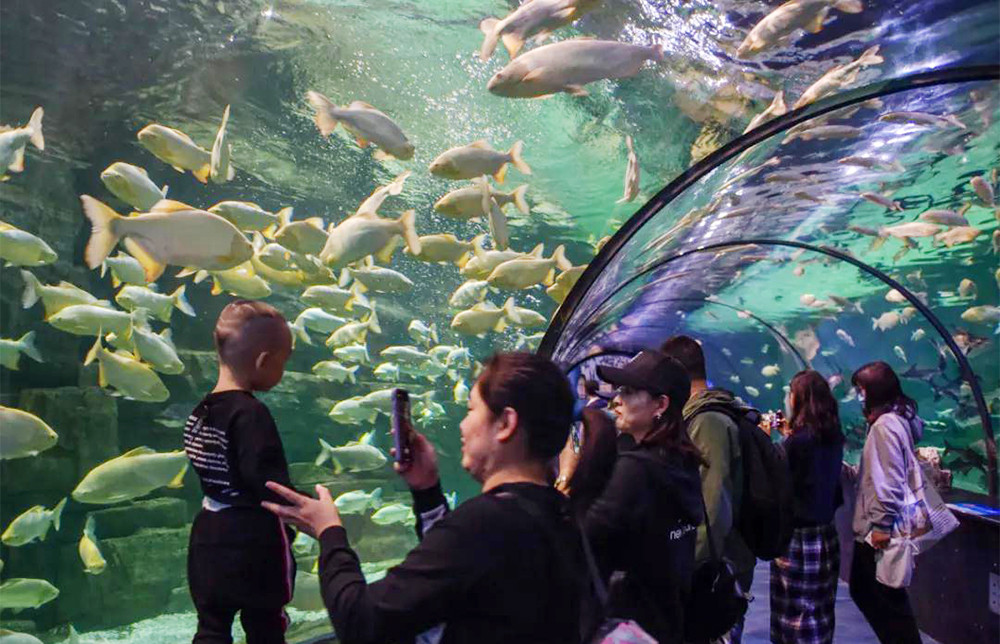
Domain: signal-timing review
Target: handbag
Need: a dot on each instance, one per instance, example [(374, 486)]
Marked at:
[(717, 602)]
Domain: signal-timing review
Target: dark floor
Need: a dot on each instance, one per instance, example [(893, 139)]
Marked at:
[(851, 626)]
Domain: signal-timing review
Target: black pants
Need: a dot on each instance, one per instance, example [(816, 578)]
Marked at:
[(239, 560), (887, 609)]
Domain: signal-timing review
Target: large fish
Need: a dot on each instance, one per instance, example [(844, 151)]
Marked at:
[(467, 203), (525, 272), (445, 247), (335, 372), (354, 332), (307, 236), (381, 280), (395, 512), (776, 26), (23, 434), (132, 185), (177, 149), (14, 140), (21, 248), (171, 233), (127, 375), (318, 320), (482, 318), (134, 474), (569, 65), (11, 350), (838, 77), (32, 524), (526, 318), (221, 167), (20, 593), (367, 234), (631, 174), (468, 294), (354, 456), (366, 123), (531, 19), (483, 262), (478, 159), (335, 299), (241, 281)]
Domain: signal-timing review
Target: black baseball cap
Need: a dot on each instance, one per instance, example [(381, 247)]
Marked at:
[(651, 371)]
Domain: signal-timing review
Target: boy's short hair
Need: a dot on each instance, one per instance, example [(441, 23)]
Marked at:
[(245, 328), (688, 352)]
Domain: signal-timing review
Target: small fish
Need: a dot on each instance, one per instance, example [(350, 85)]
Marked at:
[(131, 298), (460, 393), (746, 361), (357, 502), (94, 562), (20, 593), (430, 411), (306, 237), (564, 283), (445, 247), (318, 320), (568, 65), (353, 456), (484, 261), (354, 332), (526, 318), (467, 203), (133, 474), (381, 280), (405, 354), (922, 118), (14, 140), (176, 149), (394, 513), (898, 350), (631, 174), (478, 159), (958, 235), (984, 314), (123, 372), (776, 108), (421, 332), (247, 215), (525, 272), (838, 77), (834, 381), (132, 185), (782, 22), (364, 122), (125, 269), (386, 371), (527, 342), (359, 236), (90, 319), (156, 350), (872, 163), (23, 434), (497, 221), (241, 281), (944, 217), (353, 353), (912, 229), (20, 248), (171, 233), (468, 294), (350, 412), (886, 321), (221, 167), (825, 133), (31, 525), (771, 370), (11, 350), (753, 391), (335, 299), (895, 297), (482, 318), (734, 379), (335, 372), (535, 19), (983, 190), (845, 337), (967, 288)]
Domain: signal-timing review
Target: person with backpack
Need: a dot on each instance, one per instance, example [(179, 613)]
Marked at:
[(709, 414), (885, 475), (804, 578), (640, 512)]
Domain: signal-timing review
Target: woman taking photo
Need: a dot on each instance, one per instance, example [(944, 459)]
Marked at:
[(644, 519), (888, 464), (804, 580), (502, 567)]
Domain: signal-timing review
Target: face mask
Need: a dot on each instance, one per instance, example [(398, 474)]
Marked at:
[(861, 396)]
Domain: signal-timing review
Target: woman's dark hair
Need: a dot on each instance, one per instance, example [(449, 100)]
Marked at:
[(814, 409), (670, 430), (591, 387), (883, 393), (687, 351), (537, 390), (598, 451)]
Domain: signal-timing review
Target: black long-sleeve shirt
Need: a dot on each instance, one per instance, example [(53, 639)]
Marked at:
[(487, 571), (815, 469), (233, 445)]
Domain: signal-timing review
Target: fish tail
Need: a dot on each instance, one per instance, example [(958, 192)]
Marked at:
[(849, 6), (57, 512), (35, 125), (180, 301), (519, 198), (92, 354), (178, 481), (559, 256), (515, 158), (396, 186), (32, 289), (376, 497), (373, 324), (324, 453), (324, 119), (434, 332), (351, 374), (491, 35), (28, 347), (778, 106), (102, 230), (408, 222), (870, 57), (89, 528), (298, 330)]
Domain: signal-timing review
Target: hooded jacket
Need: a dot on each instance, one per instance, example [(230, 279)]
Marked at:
[(888, 467), (717, 437)]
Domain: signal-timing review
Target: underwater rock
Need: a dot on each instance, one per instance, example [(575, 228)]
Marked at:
[(86, 418), (180, 600), (125, 520)]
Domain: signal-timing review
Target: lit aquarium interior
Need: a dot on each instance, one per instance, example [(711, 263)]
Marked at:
[(858, 226)]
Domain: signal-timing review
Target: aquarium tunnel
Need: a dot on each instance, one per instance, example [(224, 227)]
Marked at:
[(810, 193)]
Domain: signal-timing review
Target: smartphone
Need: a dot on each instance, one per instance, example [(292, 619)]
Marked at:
[(402, 426)]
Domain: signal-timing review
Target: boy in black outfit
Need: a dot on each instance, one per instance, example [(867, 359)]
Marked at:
[(239, 556)]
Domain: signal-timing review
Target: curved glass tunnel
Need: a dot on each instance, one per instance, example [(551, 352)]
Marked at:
[(104, 69)]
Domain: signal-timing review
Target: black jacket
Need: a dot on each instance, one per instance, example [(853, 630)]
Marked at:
[(815, 471), (644, 524), (488, 571)]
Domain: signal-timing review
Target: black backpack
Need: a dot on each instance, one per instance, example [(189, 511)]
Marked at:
[(765, 517)]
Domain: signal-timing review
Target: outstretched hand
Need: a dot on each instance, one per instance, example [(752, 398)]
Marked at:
[(422, 472), (309, 515)]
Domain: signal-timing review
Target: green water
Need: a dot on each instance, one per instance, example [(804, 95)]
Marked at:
[(103, 70)]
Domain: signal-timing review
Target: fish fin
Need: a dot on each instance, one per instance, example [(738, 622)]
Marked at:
[(408, 223), (513, 43), (376, 497), (178, 481), (57, 512), (515, 158), (481, 144), (366, 439), (520, 202), (373, 324), (102, 230), (361, 141), (501, 173), (384, 256), (17, 165), (170, 205), (549, 279), (32, 289), (316, 222), (324, 119), (202, 173), (152, 267), (216, 286), (576, 90), (285, 216), (92, 354), (537, 251), (180, 301), (871, 57), (35, 125), (816, 24), (849, 6), (164, 190), (362, 104), (559, 256), (28, 347), (351, 374), (324, 453), (488, 27)]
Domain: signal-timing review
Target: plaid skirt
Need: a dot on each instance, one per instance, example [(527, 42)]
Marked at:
[(804, 587)]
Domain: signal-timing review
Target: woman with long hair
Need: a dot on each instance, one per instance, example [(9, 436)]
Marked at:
[(888, 465), (641, 517), (804, 580)]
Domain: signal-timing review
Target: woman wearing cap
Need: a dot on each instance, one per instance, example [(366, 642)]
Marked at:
[(644, 522)]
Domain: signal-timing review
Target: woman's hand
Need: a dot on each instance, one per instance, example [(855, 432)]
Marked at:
[(880, 540), (568, 459), (422, 472), (309, 515)]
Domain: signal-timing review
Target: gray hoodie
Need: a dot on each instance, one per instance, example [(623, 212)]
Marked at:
[(888, 467)]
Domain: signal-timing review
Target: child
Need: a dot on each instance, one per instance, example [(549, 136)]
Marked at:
[(239, 557)]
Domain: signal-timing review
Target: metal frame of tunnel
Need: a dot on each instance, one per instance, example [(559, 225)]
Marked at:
[(737, 146)]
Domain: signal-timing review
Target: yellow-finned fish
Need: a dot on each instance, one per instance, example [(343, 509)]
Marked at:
[(132, 185), (94, 562), (366, 123), (478, 159), (531, 19), (564, 283), (162, 306), (32, 524), (11, 350), (367, 234), (21, 248), (20, 593), (354, 332), (445, 247), (156, 350), (23, 434), (631, 174), (307, 236), (171, 233), (789, 17), (125, 269), (335, 299), (467, 203), (523, 318), (838, 77), (133, 474), (247, 215), (128, 376), (484, 261), (241, 281), (381, 280), (14, 140), (89, 319), (482, 318), (176, 149), (468, 294), (525, 272), (221, 167)]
